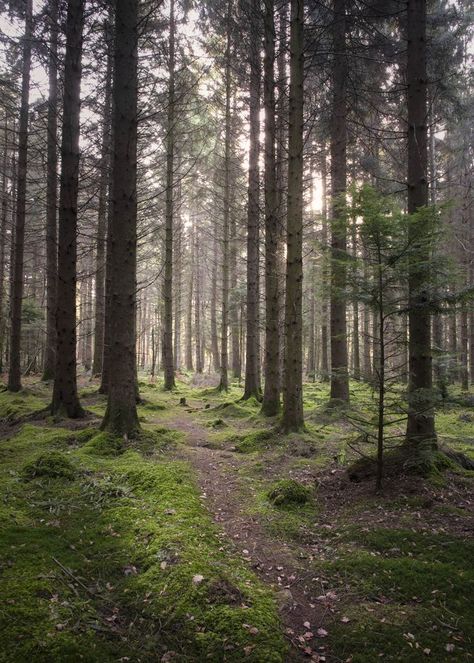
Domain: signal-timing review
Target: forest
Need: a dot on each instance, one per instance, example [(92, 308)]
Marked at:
[(236, 331)]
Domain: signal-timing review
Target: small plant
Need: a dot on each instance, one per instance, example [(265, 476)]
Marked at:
[(288, 491)]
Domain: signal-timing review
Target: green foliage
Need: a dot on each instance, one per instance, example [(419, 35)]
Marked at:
[(288, 491)]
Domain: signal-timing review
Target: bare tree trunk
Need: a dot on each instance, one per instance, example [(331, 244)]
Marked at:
[(214, 336), (102, 217), (292, 419), (178, 298), (167, 345), (65, 398), (197, 306), (272, 386), (339, 361), (52, 198), (252, 367), (325, 274), (224, 381), (14, 375), (121, 414), (420, 425), (3, 237), (189, 312)]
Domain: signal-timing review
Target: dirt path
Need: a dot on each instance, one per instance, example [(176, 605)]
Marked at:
[(223, 492)]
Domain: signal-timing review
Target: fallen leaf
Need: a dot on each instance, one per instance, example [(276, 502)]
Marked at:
[(197, 579), (322, 632)]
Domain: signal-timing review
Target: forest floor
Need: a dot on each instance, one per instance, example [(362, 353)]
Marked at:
[(174, 548)]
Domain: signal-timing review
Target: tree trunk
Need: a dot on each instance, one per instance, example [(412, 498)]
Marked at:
[(214, 336), (325, 275), (3, 237), (271, 393), (339, 363), (189, 311), (167, 346), (293, 379), (224, 381), (121, 414), (420, 425), (52, 198), (14, 376), (252, 367), (65, 398), (197, 306), (102, 217)]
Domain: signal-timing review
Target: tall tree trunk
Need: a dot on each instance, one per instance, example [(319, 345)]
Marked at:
[(224, 381), (252, 364), (420, 425), (121, 414), (167, 347), (271, 393), (216, 363), (102, 216), (65, 398), (52, 198), (197, 306), (3, 236), (293, 378), (179, 285), (14, 375), (325, 270), (339, 361), (189, 311)]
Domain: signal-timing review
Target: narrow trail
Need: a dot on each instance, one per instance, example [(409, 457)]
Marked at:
[(223, 492)]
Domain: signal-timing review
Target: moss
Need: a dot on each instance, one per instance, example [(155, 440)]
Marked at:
[(16, 405), (50, 464), (104, 444), (81, 560), (217, 423), (403, 582), (288, 491), (255, 441)]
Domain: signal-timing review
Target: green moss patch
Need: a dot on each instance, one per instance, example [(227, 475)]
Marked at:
[(124, 563), (289, 491), (51, 464)]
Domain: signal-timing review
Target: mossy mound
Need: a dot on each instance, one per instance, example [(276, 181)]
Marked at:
[(235, 410), (426, 463), (255, 441), (288, 491), (104, 444), (52, 464), (217, 423)]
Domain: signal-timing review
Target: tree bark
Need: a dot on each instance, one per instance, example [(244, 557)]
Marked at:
[(339, 360), (167, 345), (52, 198), (420, 424), (102, 216), (224, 381), (271, 393), (65, 398), (14, 375), (121, 414), (252, 367), (292, 419)]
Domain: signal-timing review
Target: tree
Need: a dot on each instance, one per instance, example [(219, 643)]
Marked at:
[(104, 166), (121, 415), (18, 244), (252, 368), (271, 393), (339, 360), (420, 424), (52, 197), (65, 398), (167, 345), (292, 418)]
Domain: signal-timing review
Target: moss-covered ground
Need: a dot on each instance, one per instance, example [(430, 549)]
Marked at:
[(109, 552)]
